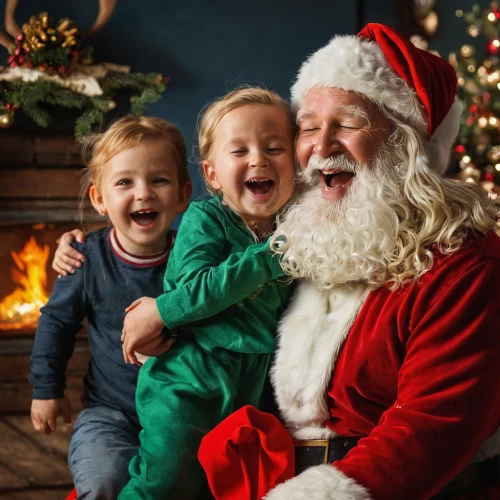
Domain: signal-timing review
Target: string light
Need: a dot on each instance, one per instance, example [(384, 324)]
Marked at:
[(482, 122)]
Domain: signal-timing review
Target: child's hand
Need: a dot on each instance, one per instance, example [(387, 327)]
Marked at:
[(66, 257), (142, 324), (44, 413), (154, 347)]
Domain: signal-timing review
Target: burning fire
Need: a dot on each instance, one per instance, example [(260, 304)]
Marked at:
[(21, 308)]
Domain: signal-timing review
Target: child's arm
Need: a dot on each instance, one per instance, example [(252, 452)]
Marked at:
[(60, 321), (67, 258), (207, 280)]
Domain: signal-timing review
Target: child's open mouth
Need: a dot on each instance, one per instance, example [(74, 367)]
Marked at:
[(259, 186), (338, 179), (144, 217)]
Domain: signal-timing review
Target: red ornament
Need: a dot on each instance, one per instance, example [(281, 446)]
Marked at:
[(470, 121), (488, 176), (10, 107), (460, 149), (492, 46), (473, 108)]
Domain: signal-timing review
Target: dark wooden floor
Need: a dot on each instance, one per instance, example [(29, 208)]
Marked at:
[(32, 465)]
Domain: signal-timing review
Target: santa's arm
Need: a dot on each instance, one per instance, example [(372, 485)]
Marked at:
[(447, 405)]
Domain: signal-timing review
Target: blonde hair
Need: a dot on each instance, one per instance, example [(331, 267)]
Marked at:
[(125, 134), (211, 115), (434, 213)]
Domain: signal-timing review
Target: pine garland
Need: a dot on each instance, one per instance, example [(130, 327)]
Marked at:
[(55, 48), (28, 96)]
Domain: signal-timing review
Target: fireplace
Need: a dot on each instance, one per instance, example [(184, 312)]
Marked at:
[(26, 252), (39, 200)]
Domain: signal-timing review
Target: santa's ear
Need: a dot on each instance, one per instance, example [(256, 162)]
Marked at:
[(210, 175), (96, 200)]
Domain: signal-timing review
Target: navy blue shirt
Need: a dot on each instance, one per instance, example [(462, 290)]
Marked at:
[(100, 291)]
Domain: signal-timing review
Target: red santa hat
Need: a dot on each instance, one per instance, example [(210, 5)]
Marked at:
[(246, 455), (389, 70)]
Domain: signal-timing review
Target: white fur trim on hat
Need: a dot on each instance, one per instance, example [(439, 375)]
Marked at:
[(439, 146), (359, 65), (323, 482)]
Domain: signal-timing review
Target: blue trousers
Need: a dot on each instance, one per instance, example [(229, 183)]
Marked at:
[(103, 443)]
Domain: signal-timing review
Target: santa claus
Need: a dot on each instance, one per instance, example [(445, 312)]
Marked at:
[(392, 334)]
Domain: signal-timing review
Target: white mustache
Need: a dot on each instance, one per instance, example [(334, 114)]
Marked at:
[(338, 162)]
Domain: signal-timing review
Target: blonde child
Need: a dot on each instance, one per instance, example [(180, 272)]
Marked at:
[(139, 178), (222, 296)]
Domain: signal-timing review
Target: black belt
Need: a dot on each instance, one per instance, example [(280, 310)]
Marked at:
[(474, 477), (321, 451)]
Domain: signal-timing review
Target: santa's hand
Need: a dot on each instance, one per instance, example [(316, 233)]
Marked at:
[(324, 482)]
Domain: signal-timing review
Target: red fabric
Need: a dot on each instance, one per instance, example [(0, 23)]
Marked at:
[(418, 376), (433, 78), (246, 455), (72, 495)]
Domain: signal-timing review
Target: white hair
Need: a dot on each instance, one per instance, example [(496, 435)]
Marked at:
[(396, 212)]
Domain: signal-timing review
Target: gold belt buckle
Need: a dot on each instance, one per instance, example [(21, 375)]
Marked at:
[(314, 442)]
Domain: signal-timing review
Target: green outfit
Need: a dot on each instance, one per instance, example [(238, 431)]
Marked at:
[(223, 299)]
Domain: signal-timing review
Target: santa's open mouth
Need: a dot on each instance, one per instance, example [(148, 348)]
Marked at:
[(259, 186), (338, 179), (144, 217)]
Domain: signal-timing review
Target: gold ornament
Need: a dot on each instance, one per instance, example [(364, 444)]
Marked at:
[(6, 118), (111, 104), (41, 31)]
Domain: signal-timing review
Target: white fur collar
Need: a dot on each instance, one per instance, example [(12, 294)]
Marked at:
[(311, 333)]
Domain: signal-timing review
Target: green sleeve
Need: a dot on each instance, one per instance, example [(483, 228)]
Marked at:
[(207, 280)]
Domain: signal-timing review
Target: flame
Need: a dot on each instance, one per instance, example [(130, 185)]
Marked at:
[(21, 308)]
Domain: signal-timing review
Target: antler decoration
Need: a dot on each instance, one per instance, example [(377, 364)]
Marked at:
[(106, 8), (11, 27), (35, 33), (10, 23)]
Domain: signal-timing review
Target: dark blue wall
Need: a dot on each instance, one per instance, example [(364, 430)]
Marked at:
[(209, 47)]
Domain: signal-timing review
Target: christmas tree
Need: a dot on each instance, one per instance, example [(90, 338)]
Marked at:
[(477, 150)]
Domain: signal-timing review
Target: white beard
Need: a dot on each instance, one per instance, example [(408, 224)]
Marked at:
[(349, 240)]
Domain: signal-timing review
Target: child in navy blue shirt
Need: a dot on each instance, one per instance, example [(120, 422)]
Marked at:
[(138, 177)]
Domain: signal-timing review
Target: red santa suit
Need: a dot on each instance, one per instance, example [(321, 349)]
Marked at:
[(416, 371)]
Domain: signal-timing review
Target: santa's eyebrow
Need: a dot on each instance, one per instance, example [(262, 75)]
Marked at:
[(303, 113), (353, 110), (348, 109)]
